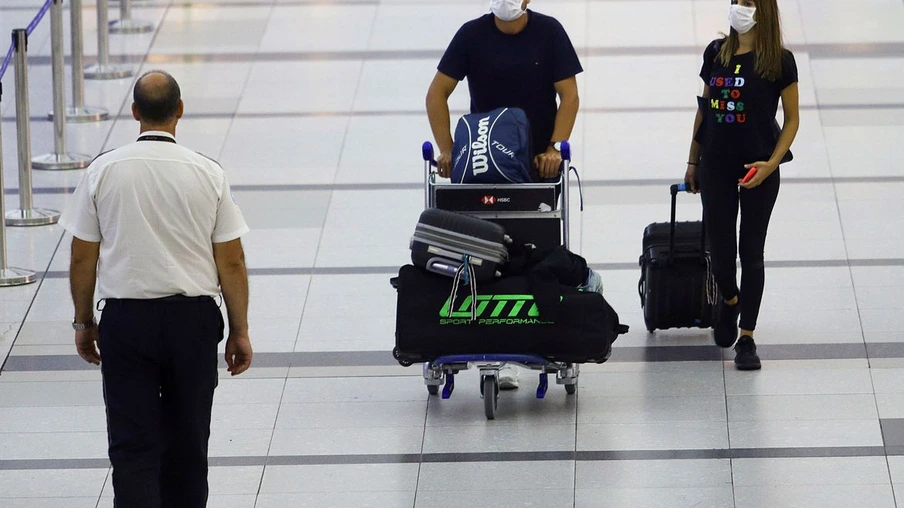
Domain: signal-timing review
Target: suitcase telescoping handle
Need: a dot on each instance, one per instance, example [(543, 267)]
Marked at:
[(673, 190), (429, 164)]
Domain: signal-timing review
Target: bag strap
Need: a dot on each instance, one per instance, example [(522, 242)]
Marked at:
[(580, 186), (466, 270), (642, 282)]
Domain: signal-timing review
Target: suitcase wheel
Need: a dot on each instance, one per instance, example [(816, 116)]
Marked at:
[(398, 356)]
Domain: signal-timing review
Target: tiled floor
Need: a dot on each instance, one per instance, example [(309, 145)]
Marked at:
[(316, 110)]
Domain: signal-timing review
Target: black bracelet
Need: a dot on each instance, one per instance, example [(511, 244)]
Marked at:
[(691, 163)]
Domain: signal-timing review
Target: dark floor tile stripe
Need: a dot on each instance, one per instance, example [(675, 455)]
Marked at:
[(401, 186), (352, 359), (394, 270), (474, 457), (815, 51), (44, 464), (225, 115)]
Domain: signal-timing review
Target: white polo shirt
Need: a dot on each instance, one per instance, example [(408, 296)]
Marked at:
[(156, 208)]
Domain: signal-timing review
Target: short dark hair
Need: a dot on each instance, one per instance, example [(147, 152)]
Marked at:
[(157, 104)]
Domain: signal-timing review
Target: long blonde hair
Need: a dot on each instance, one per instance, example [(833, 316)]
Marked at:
[(768, 46)]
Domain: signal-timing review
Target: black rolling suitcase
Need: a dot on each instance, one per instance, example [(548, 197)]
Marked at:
[(443, 240), (676, 285)]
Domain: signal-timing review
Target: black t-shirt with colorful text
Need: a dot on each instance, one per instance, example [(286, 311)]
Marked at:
[(741, 108)]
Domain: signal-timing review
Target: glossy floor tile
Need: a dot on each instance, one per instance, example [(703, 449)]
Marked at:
[(317, 112)]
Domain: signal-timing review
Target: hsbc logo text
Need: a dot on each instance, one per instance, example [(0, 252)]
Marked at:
[(492, 200)]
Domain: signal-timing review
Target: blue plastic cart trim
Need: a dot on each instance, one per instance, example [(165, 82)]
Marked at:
[(543, 386), (513, 358), (450, 385)]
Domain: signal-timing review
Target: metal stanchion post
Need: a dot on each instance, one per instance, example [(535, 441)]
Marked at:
[(125, 24), (103, 69), (26, 215), (9, 276), (78, 112), (60, 158)]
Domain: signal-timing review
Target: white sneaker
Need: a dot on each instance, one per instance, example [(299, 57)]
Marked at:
[(508, 378)]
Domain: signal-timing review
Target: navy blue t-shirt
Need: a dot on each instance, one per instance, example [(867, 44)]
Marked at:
[(514, 71), (740, 111)]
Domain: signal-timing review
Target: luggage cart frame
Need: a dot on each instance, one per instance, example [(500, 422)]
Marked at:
[(442, 370)]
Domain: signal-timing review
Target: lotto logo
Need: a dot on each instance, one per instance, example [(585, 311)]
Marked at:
[(489, 200)]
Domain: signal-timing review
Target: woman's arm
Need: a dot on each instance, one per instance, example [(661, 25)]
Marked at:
[(693, 154), (791, 109)]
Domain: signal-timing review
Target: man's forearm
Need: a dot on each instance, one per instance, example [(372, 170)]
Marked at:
[(565, 118), (82, 277), (234, 283), (438, 115)]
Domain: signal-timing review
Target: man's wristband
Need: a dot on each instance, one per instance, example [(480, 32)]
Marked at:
[(689, 163)]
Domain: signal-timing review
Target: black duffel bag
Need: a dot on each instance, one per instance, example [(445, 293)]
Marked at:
[(503, 319)]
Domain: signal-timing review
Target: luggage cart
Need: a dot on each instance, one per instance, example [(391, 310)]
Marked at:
[(529, 214)]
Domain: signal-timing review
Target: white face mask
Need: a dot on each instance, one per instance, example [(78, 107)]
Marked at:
[(507, 10), (741, 18)]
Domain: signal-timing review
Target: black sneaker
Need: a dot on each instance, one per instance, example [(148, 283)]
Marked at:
[(745, 354), (725, 331)]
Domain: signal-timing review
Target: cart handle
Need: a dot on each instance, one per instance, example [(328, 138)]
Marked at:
[(427, 153)]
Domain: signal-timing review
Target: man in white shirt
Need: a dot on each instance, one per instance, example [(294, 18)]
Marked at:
[(155, 225)]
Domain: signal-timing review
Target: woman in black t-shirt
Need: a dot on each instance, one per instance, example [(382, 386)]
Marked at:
[(745, 75)]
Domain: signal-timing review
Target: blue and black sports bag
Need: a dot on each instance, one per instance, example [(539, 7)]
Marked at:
[(493, 147)]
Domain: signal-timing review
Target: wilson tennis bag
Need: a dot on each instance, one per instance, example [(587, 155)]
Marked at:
[(493, 147)]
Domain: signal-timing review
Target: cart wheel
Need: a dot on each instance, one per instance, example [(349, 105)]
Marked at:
[(570, 389), (432, 389), (490, 396)]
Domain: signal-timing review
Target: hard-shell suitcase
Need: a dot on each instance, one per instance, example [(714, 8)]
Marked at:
[(676, 286), (443, 240)]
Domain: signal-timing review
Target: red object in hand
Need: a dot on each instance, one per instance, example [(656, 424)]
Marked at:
[(749, 175)]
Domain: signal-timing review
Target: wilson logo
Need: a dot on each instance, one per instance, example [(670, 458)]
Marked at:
[(479, 147), (493, 310), (502, 148)]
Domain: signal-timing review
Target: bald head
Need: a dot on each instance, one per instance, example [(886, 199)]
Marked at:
[(158, 100)]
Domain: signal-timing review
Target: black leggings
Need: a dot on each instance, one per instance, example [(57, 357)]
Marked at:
[(721, 196)]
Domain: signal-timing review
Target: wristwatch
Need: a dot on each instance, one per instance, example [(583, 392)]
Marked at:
[(83, 326), (557, 145)]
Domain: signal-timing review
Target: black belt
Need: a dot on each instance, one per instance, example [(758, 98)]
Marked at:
[(171, 298), (183, 298), (165, 299)]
